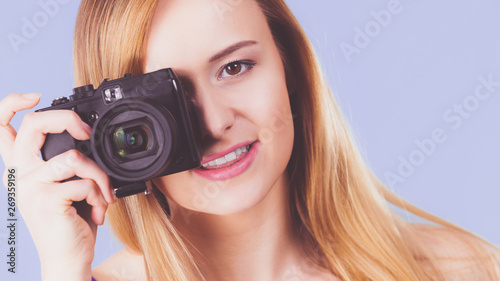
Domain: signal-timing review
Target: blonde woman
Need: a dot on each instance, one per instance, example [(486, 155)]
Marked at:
[(298, 204)]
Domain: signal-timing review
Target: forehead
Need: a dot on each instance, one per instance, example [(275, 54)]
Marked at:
[(184, 32)]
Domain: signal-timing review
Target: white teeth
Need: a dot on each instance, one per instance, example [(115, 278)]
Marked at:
[(228, 157), (231, 156), (220, 161)]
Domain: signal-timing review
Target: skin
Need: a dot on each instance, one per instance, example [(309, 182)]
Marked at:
[(44, 203)]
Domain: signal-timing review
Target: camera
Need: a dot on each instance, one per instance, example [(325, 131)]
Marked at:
[(143, 127)]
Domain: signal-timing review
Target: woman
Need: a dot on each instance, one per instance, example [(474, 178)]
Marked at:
[(303, 207)]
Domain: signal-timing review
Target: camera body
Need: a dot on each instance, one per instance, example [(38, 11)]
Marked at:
[(142, 128)]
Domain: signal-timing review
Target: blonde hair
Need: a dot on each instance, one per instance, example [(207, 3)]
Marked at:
[(339, 207)]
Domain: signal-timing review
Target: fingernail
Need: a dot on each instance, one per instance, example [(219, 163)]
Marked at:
[(87, 128), (31, 96)]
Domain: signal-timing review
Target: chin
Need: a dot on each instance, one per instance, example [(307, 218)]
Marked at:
[(233, 200), (223, 198)]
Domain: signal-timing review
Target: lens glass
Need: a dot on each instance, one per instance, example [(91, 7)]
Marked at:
[(132, 140)]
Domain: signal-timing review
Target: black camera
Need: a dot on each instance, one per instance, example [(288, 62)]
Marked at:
[(142, 128)]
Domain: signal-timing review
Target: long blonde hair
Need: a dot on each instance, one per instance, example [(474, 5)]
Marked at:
[(339, 207)]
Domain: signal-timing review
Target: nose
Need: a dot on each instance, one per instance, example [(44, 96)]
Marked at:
[(215, 114)]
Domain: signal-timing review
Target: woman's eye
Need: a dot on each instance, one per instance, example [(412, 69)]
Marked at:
[(235, 69)]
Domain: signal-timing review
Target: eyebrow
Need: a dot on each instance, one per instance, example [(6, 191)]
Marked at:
[(232, 48)]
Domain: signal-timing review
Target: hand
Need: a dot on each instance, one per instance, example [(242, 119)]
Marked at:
[(64, 236)]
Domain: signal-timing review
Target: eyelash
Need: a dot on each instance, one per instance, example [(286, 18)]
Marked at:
[(247, 64)]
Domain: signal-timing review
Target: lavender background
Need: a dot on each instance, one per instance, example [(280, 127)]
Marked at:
[(399, 80)]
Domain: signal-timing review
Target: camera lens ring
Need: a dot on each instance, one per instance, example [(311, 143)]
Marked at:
[(131, 112)]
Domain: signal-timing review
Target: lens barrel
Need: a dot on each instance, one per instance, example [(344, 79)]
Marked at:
[(133, 140)]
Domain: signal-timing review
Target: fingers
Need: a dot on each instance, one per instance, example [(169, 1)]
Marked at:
[(36, 125), (78, 190), (7, 138), (14, 103), (73, 163), (8, 107)]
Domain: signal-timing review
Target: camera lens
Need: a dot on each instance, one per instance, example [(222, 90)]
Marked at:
[(132, 140)]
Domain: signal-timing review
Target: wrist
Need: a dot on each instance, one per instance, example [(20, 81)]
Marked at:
[(60, 272)]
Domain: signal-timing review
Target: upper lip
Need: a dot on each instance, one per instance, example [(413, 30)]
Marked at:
[(209, 158)]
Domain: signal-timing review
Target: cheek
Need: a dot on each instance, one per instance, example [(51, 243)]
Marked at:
[(271, 114), (273, 107)]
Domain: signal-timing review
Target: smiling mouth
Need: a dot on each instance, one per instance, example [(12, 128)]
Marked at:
[(229, 159)]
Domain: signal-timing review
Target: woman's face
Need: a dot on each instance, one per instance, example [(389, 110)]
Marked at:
[(224, 53)]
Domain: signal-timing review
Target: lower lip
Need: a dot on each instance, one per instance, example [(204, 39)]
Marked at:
[(233, 170)]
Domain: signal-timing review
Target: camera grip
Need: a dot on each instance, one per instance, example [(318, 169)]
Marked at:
[(56, 144)]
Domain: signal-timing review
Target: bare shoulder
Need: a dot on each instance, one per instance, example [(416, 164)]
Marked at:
[(458, 255), (125, 265)]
